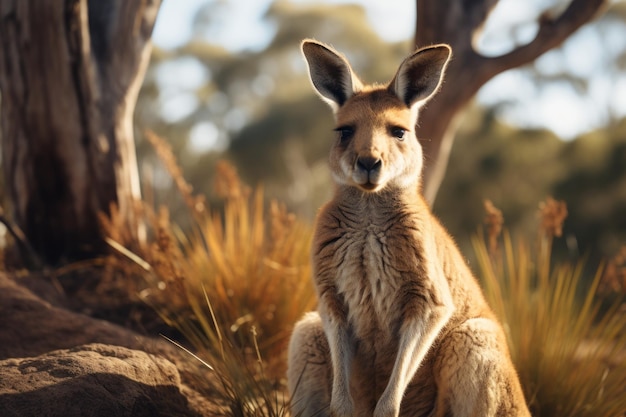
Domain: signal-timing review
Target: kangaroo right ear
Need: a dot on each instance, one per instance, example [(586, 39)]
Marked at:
[(420, 75), (330, 73)]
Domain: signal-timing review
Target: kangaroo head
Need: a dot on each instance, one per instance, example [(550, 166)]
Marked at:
[(376, 146)]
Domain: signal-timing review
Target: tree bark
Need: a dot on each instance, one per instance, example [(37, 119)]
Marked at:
[(456, 22), (70, 72)]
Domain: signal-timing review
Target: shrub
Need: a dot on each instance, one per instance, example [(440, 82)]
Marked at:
[(570, 355), (233, 283)]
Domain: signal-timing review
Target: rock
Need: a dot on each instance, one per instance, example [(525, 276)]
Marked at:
[(55, 362), (32, 326), (94, 380)]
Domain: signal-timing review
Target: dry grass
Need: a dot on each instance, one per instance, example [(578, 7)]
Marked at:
[(613, 281), (233, 284), (571, 359)]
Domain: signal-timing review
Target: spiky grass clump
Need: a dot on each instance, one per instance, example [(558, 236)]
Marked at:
[(233, 284), (571, 358), (253, 266)]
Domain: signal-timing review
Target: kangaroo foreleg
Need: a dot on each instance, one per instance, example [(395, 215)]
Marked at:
[(417, 336)]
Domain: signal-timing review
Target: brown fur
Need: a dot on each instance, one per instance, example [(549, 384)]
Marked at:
[(402, 327)]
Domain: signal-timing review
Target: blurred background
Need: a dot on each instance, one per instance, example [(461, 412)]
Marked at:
[(227, 81)]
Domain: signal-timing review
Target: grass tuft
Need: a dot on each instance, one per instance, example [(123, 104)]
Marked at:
[(233, 284), (570, 355)]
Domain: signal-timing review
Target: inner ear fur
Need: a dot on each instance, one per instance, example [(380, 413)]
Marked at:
[(330, 73), (420, 75)]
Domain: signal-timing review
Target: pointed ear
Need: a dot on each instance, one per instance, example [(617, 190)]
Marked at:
[(330, 73), (420, 75)]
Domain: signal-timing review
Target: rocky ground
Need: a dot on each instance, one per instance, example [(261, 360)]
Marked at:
[(57, 361)]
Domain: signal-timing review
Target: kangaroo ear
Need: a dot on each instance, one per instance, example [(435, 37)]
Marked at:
[(420, 75), (330, 73)]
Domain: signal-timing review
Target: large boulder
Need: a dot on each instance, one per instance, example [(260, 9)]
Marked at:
[(31, 326), (95, 380), (56, 362)]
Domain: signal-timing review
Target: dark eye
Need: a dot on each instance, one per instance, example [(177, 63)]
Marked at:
[(398, 132), (345, 133)]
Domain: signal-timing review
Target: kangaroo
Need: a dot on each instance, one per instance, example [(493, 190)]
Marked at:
[(402, 327)]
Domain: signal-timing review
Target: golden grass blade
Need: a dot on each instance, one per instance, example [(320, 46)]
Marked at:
[(196, 357), (130, 255)]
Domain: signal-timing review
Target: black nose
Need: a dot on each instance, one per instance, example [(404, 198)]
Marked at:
[(368, 163)]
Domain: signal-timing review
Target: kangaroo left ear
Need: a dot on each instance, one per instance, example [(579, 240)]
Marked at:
[(420, 75), (330, 73)]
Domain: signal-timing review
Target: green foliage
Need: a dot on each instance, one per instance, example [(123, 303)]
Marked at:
[(513, 168), (571, 359), (595, 188), (516, 169)]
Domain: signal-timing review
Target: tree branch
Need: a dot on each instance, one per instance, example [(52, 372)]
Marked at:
[(451, 21), (456, 22), (552, 33)]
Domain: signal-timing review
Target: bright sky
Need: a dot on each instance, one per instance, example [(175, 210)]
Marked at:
[(557, 107), (393, 19)]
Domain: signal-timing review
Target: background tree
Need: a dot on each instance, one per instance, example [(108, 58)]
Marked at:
[(456, 23), (70, 72)]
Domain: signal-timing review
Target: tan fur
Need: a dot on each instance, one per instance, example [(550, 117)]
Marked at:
[(402, 327)]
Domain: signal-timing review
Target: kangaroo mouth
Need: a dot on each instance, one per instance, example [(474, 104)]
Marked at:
[(367, 180), (368, 186)]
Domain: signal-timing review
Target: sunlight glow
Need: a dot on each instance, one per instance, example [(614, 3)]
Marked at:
[(557, 107), (204, 137)]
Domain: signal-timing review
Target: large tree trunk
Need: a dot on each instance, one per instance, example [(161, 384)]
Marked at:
[(70, 72), (455, 22)]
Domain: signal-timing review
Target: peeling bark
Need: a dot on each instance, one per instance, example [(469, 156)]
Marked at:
[(455, 22), (70, 72)]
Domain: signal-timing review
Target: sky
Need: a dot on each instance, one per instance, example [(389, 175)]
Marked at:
[(394, 20), (556, 106)]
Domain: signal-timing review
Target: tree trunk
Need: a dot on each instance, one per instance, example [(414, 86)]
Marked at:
[(70, 72), (455, 22)]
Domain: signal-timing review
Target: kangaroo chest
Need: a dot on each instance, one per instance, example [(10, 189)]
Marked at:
[(376, 265)]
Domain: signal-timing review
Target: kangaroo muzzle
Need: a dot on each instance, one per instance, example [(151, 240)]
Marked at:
[(368, 171)]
